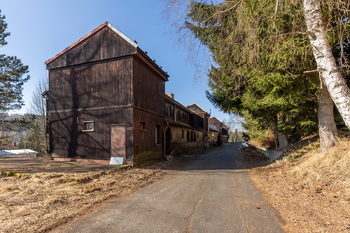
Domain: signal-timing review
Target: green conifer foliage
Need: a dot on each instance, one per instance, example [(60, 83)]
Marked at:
[(12, 75), (261, 52)]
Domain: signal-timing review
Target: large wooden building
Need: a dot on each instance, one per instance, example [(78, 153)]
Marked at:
[(105, 99)]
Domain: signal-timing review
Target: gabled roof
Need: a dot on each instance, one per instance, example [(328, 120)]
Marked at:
[(106, 24), (196, 105), (215, 118), (140, 52)]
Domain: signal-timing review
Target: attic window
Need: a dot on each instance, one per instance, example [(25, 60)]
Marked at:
[(88, 126)]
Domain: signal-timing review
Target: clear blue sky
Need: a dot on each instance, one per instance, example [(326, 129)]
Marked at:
[(40, 29)]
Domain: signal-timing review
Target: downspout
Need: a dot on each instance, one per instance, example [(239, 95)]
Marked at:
[(167, 125), (208, 129)]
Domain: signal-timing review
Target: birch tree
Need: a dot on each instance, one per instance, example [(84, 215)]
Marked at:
[(327, 67)]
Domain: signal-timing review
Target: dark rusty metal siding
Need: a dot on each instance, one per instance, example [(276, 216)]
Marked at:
[(99, 92), (104, 44), (148, 103)]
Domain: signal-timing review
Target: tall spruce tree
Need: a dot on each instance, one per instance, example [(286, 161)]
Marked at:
[(13, 74), (263, 59)]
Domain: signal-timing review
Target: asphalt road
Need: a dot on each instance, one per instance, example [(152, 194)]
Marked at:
[(209, 194)]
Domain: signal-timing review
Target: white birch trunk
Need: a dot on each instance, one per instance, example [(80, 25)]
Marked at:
[(326, 64)]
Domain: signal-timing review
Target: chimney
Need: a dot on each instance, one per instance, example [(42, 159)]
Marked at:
[(171, 95)]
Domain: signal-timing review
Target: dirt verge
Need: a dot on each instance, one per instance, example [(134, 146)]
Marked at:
[(312, 193)]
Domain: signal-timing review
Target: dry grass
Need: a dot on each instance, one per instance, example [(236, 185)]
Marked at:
[(312, 193), (44, 201), (269, 142)]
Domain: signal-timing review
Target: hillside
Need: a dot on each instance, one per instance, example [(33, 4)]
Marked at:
[(312, 192)]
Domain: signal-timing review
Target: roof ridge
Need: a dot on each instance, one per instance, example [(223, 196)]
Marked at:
[(197, 106)]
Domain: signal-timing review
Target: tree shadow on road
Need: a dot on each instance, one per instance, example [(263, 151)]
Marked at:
[(232, 157)]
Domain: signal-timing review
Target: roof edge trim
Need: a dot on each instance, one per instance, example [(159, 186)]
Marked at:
[(122, 35)]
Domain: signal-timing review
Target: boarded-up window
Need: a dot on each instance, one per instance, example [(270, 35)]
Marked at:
[(88, 126)]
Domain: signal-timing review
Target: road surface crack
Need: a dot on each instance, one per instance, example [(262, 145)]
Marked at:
[(188, 229)]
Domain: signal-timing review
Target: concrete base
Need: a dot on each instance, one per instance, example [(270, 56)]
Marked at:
[(272, 154), (82, 160)]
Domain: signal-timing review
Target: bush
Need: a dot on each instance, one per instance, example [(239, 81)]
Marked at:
[(176, 152)]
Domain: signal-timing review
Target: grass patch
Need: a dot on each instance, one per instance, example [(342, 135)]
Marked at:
[(44, 201)]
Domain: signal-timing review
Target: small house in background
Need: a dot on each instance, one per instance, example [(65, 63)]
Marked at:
[(221, 127), (105, 99), (195, 108), (214, 136)]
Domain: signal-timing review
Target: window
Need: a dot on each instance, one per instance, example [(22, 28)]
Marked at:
[(170, 115), (179, 114), (191, 136), (194, 136), (157, 134), (183, 133), (143, 126), (188, 136), (88, 126)]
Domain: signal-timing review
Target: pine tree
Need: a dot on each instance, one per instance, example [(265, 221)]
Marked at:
[(13, 74)]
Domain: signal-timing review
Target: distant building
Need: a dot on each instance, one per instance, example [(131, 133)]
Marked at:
[(224, 130)]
